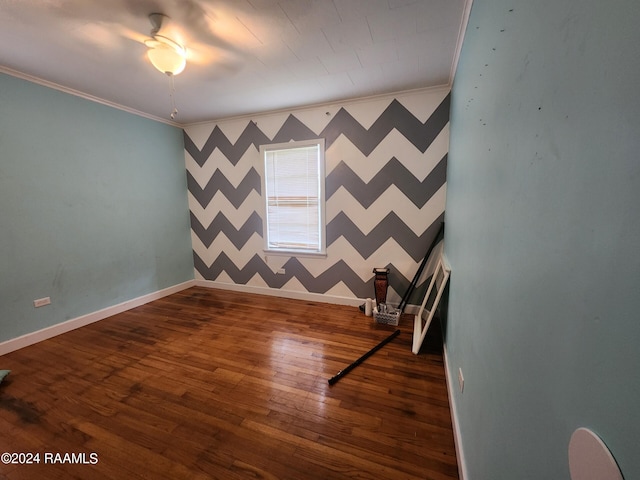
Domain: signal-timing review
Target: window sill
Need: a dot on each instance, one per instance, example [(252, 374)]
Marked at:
[(294, 253)]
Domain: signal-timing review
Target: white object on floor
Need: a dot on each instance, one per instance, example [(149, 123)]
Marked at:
[(590, 459), (439, 279), (368, 307)]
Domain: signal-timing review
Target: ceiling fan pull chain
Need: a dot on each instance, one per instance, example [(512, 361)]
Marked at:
[(174, 110)]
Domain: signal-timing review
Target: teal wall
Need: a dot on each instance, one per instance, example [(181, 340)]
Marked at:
[(543, 234), (93, 207)]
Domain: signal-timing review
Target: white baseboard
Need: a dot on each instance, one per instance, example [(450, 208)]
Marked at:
[(274, 292), (457, 438), (49, 332), (52, 331)]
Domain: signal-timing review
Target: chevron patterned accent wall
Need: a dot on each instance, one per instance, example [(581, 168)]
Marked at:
[(386, 162)]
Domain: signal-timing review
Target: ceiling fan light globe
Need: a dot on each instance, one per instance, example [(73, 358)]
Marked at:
[(167, 59)]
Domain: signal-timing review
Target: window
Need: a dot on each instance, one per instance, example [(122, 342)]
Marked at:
[(293, 191)]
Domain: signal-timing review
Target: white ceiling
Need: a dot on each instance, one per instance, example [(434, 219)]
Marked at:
[(244, 56)]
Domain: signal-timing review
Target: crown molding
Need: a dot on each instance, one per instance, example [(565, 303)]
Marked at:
[(334, 103), (463, 28), (86, 96)]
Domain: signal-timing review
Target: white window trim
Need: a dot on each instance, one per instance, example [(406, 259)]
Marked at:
[(322, 205)]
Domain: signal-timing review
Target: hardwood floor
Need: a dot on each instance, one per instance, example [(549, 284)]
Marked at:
[(218, 384)]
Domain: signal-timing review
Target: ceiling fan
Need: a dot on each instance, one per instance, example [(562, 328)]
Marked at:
[(188, 32), (201, 33), (164, 52), (199, 36), (167, 46)]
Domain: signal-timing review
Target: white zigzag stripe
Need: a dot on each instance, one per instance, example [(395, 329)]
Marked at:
[(203, 174), (222, 244), (393, 297), (437, 150), (207, 256), (392, 200), (253, 201), (367, 113), (217, 161), (224, 278), (389, 252), (257, 281), (423, 104), (339, 290), (199, 134), (366, 167), (294, 285), (220, 203), (232, 128), (271, 123), (339, 250), (275, 262), (317, 118), (393, 145), (235, 174)]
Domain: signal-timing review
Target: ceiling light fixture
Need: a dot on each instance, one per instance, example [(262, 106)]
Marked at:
[(166, 55)]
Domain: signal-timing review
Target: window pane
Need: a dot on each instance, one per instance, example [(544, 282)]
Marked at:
[(293, 196)]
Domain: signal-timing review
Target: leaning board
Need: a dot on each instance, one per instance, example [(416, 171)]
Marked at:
[(439, 270)]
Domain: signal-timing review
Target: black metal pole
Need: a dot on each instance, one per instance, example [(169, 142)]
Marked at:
[(412, 285), (342, 373)]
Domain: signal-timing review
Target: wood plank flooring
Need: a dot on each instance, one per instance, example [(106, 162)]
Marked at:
[(218, 384)]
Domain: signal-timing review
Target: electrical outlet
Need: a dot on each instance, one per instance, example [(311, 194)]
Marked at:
[(41, 302), (281, 271), (460, 380)]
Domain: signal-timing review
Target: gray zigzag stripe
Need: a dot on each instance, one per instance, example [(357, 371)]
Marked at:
[(251, 135), (220, 224), (391, 226), (293, 129), (366, 193), (400, 283), (219, 182), (393, 173), (395, 116), (339, 272), (321, 284)]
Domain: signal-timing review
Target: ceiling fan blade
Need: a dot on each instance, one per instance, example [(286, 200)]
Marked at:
[(209, 30)]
